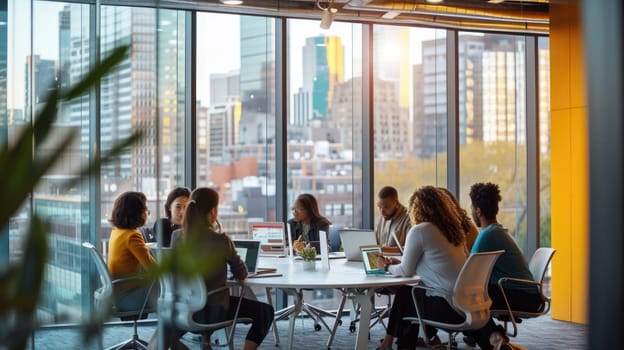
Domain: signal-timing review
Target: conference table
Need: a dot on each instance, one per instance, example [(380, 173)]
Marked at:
[(341, 274)]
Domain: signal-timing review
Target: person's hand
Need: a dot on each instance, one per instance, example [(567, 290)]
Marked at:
[(298, 245), (393, 261), (382, 262)]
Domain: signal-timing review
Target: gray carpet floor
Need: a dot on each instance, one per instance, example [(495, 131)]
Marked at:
[(540, 334)]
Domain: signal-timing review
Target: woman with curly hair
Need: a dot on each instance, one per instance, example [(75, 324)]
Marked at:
[(470, 229), (435, 251)]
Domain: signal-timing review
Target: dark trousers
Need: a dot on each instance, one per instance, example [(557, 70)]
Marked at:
[(519, 300), (261, 314), (432, 307)]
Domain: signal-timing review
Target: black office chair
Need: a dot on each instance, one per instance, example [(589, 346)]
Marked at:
[(103, 302)]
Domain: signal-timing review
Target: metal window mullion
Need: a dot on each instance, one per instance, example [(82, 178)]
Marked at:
[(190, 107), (368, 161), (452, 114), (532, 141)]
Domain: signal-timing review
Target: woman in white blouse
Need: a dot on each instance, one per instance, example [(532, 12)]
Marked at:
[(435, 251)]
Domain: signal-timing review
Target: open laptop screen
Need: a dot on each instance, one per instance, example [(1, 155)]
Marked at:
[(248, 251), (370, 255), (267, 232), (353, 239)]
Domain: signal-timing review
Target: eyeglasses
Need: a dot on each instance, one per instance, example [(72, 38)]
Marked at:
[(298, 210)]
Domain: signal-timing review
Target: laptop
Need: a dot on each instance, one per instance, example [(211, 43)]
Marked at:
[(249, 251), (353, 239), (370, 253), (271, 236)]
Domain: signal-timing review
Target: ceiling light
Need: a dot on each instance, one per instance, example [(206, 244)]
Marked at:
[(390, 14), (328, 17), (329, 13), (496, 1), (232, 2), (434, 1)]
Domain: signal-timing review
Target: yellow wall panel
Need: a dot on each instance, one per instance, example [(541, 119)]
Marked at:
[(569, 165), (580, 204), (561, 214), (559, 58), (577, 70)]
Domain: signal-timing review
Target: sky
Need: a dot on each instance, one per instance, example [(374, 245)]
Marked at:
[(222, 32)]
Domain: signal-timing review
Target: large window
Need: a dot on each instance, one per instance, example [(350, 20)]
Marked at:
[(492, 122), (324, 151), (237, 135), (543, 78), (236, 129), (410, 108)]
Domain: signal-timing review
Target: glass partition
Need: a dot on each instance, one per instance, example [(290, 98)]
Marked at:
[(236, 116), (492, 122), (543, 88), (410, 110), (324, 151)]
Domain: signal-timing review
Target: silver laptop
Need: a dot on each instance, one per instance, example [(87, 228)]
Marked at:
[(271, 236), (353, 239)]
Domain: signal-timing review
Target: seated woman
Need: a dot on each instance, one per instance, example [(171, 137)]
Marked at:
[(174, 211), (435, 251), (307, 221), (200, 225), (128, 255)]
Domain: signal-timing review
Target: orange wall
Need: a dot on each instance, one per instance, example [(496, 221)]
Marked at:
[(569, 164)]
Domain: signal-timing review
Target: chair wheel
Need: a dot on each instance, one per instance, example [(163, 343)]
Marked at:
[(352, 328), (317, 327), (340, 322)]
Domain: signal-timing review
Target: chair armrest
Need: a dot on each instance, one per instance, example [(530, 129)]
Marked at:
[(131, 278)]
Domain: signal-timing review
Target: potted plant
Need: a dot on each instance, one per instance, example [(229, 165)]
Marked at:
[(308, 254)]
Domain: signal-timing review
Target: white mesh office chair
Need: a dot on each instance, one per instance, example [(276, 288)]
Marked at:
[(104, 305), (180, 298), (538, 265), (470, 297)]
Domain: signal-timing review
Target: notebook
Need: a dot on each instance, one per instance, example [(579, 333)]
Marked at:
[(370, 254), (353, 239), (271, 236)]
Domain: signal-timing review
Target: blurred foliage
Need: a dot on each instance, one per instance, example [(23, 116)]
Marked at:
[(21, 280)]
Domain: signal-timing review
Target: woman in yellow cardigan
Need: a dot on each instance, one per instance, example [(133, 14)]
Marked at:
[(128, 255)]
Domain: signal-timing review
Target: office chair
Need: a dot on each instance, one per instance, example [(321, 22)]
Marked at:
[(538, 265), (181, 297), (470, 297), (103, 301)]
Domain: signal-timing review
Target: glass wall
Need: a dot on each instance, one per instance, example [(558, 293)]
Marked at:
[(236, 117), (410, 108), (236, 126), (543, 88), (324, 151), (145, 93), (492, 122)]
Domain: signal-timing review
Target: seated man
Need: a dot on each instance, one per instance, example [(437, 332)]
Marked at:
[(394, 218), (493, 236)]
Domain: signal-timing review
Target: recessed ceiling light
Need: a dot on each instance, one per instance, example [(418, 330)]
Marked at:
[(231, 2), (434, 1), (496, 1), (390, 14)]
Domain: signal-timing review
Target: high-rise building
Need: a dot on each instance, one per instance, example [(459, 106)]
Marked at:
[(504, 98), (39, 83), (323, 62)]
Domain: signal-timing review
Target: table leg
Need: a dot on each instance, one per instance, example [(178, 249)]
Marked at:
[(270, 300), (363, 298), (298, 300)]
